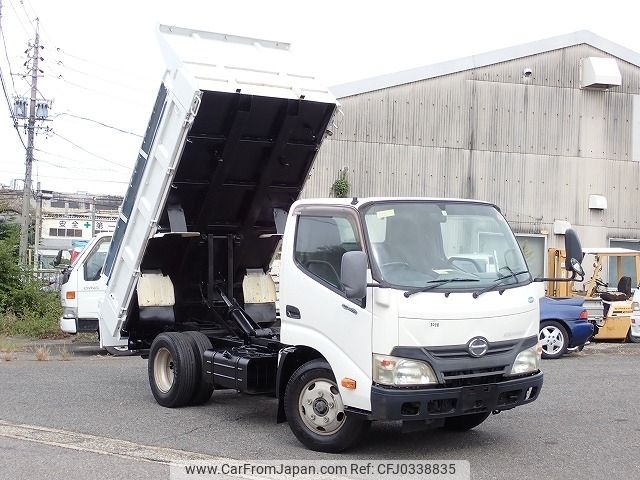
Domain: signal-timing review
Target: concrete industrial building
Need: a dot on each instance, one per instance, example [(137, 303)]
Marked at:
[(548, 131)]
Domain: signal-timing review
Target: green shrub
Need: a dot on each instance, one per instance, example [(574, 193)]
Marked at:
[(340, 188), (25, 309)]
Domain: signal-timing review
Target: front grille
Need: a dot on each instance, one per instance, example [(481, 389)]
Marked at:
[(478, 376), (460, 351)]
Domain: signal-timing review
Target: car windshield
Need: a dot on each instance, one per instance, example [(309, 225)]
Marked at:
[(414, 244)]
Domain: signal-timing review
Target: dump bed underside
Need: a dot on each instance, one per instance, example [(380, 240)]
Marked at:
[(245, 160)]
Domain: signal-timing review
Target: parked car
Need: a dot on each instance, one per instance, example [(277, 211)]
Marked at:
[(564, 326)]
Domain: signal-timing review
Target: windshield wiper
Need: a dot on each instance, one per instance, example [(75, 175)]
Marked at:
[(499, 281), (436, 283)]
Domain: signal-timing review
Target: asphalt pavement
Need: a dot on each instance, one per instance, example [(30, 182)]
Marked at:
[(586, 423)]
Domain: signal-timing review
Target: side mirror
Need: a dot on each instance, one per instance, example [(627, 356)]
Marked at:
[(353, 274), (573, 262), (58, 259)]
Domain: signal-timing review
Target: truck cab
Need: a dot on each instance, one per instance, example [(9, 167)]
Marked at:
[(417, 337), (83, 287)]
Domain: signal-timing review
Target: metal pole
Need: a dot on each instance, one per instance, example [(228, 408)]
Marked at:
[(26, 192), (36, 246), (93, 217)]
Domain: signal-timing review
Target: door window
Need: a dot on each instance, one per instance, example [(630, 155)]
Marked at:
[(95, 261), (320, 243)]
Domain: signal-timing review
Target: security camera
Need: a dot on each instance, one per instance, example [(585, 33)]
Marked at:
[(527, 72)]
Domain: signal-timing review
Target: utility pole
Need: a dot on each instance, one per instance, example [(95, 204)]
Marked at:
[(36, 246), (93, 217), (31, 126)]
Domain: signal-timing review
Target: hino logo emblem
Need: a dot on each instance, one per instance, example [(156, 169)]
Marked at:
[(477, 346)]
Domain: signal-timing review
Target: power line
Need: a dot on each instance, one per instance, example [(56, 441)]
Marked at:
[(6, 52), (13, 117), (62, 157), (19, 19), (91, 62), (87, 74), (89, 179), (26, 14), (89, 152), (97, 122), (67, 167), (99, 92)]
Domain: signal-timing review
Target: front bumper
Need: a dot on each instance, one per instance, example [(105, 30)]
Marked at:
[(78, 325), (405, 404), (68, 325)]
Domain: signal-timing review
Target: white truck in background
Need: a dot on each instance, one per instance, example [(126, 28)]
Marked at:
[(82, 286), (383, 317)]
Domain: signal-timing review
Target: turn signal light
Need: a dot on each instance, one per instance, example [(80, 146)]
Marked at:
[(71, 295), (584, 315), (349, 383)]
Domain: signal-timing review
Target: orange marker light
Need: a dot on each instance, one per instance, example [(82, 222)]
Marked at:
[(349, 383), (70, 295)]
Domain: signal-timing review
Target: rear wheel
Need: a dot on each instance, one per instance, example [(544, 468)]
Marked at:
[(464, 422), (315, 410), (553, 339), (172, 369), (203, 390)]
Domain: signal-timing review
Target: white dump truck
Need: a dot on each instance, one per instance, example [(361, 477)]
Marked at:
[(391, 308)]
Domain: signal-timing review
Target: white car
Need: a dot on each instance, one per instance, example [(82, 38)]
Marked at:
[(634, 332)]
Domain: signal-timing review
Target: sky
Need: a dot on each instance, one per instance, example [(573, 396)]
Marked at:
[(102, 65)]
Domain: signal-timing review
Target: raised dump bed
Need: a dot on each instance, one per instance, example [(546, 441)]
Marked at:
[(234, 131)]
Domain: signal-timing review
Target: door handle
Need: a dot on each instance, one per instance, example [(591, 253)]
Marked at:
[(350, 309), (292, 312)]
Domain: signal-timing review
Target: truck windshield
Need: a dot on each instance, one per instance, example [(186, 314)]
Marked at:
[(414, 243)]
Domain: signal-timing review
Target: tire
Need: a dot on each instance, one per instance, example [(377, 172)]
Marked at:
[(464, 422), (172, 369), (553, 338), (312, 395), (203, 390), (632, 338)]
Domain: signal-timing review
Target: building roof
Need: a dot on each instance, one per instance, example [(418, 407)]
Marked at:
[(484, 59)]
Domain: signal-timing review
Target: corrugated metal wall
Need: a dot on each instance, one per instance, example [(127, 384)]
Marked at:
[(536, 146)]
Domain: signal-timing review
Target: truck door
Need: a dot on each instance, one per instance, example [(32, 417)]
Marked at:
[(314, 308), (91, 287)]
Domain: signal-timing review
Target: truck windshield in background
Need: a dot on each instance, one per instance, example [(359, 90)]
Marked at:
[(417, 243)]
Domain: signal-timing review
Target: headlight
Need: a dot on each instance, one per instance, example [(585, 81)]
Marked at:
[(402, 371), (635, 306), (69, 312), (527, 361)]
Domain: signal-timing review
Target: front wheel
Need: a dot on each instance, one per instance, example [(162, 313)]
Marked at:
[(464, 422), (315, 410), (553, 339)]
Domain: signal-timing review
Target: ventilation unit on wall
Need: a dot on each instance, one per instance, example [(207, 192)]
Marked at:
[(560, 226), (599, 73), (597, 202)]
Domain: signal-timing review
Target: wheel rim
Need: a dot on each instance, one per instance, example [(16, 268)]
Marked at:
[(321, 407), (551, 340), (163, 369)]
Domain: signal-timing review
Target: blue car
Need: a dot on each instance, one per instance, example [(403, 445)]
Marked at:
[(564, 326)]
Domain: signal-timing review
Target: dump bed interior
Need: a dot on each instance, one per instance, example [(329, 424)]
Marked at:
[(248, 146)]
